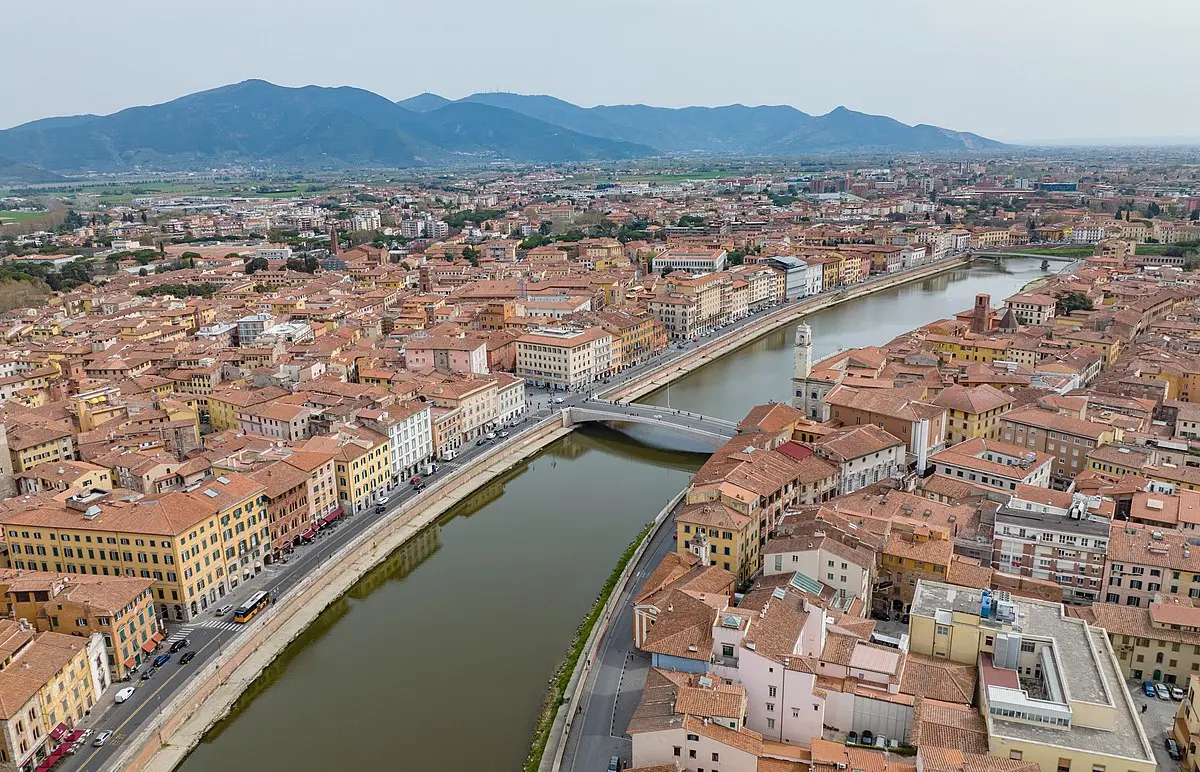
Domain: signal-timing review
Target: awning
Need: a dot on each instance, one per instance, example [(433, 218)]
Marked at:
[(74, 736), (311, 532), (130, 662), (157, 637), (57, 732), (334, 515), (148, 646)]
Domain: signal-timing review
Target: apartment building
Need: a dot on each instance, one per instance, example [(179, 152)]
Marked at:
[(834, 556), (362, 465), (994, 464), (725, 532), (1143, 562), (972, 412), (1031, 308), (225, 403), (460, 355), (120, 609), (864, 456), (1064, 546), (196, 545), (1067, 439), (1050, 689), (678, 315), (409, 431), (1160, 642), (563, 358), (920, 425), (286, 492), (474, 400), (48, 680)]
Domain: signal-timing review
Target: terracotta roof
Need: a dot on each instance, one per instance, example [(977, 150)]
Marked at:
[(938, 679)]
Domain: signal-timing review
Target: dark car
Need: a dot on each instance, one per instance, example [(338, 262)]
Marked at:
[(161, 660), (182, 643), (1173, 749), (187, 657), (149, 674)]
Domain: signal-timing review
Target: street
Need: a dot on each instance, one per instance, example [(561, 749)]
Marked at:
[(616, 683)]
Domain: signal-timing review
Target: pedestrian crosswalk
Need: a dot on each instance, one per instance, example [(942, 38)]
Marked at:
[(218, 624), (180, 633)]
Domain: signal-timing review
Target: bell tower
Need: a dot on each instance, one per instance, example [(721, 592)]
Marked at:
[(802, 363)]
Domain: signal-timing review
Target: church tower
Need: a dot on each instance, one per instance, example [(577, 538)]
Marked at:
[(802, 363)]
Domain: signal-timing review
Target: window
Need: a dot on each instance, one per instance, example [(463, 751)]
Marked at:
[(716, 757), (943, 630), (771, 691), (770, 707), (678, 750), (1015, 755), (770, 723)]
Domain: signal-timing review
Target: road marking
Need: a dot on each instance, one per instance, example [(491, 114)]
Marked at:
[(179, 671), (612, 724), (180, 633), (218, 624)]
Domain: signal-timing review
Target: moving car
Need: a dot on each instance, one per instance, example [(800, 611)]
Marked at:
[(182, 643), (1173, 749), (490, 435), (503, 434), (658, 416), (558, 400), (1162, 691), (149, 674), (1148, 689), (187, 657), (161, 660), (223, 610), (103, 736), (124, 694)]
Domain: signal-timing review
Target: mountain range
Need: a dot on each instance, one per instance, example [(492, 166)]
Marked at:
[(260, 123)]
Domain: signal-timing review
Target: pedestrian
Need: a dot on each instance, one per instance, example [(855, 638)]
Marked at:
[(1144, 706)]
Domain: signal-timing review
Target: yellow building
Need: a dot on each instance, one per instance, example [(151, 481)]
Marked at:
[(225, 403), (46, 679), (1050, 689), (70, 477), (362, 465), (121, 609), (1186, 728), (32, 445), (1158, 643), (722, 531), (968, 348), (912, 554), (196, 545), (972, 412)]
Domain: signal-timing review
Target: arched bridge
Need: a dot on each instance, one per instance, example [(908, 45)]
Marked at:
[(706, 429), (998, 255)]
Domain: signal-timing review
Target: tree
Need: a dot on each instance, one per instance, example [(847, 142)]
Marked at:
[(1117, 216), (1195, 215), (947, 220), (1153, 209), (256, 264), (471, 254), (545, 227), (1068, 301)]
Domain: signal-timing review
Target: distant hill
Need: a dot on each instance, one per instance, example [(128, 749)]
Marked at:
[(12, 172), (773, 130), (259, 123)]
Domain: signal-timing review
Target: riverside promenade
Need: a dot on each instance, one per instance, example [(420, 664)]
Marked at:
[(163, 741)]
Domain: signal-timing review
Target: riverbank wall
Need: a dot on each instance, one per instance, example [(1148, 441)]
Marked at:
[(164, 741), (719, 347), (552, 755), (167, 739)]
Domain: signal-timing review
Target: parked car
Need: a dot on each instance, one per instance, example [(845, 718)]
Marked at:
[(503, 434), (1148, 689), (1173, 749), (182, 643), (414, 481), (867, 738), (880, 741), (149, 674), (187, 657), (1177, 693), (103, 736), (490, 436), (124, 694), (1163, 692), (161, 660), (614, 764), (480, 441), (852, 738)]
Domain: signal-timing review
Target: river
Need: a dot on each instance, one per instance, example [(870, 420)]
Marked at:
[(439, 659)]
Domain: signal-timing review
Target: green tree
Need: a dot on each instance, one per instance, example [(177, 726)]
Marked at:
[(1153, 209), (1068, 301), (545, 227), (1195, 215), (256, 264)]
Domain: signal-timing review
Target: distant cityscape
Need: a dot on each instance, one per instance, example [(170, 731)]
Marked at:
[(225, 397)]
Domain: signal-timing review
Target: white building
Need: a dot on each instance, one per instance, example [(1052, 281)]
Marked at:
[(693, 260), (365, 220), (510, 398), (564, 358), (410, 435)]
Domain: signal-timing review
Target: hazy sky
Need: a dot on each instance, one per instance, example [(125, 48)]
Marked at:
[(1015, 70)]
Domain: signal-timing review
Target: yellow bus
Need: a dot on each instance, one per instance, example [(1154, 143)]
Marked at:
[(257, 602)]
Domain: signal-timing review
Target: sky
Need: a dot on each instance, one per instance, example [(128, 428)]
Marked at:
[(1021, 70)]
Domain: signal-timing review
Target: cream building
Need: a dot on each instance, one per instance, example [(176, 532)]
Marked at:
[(564, 358)]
